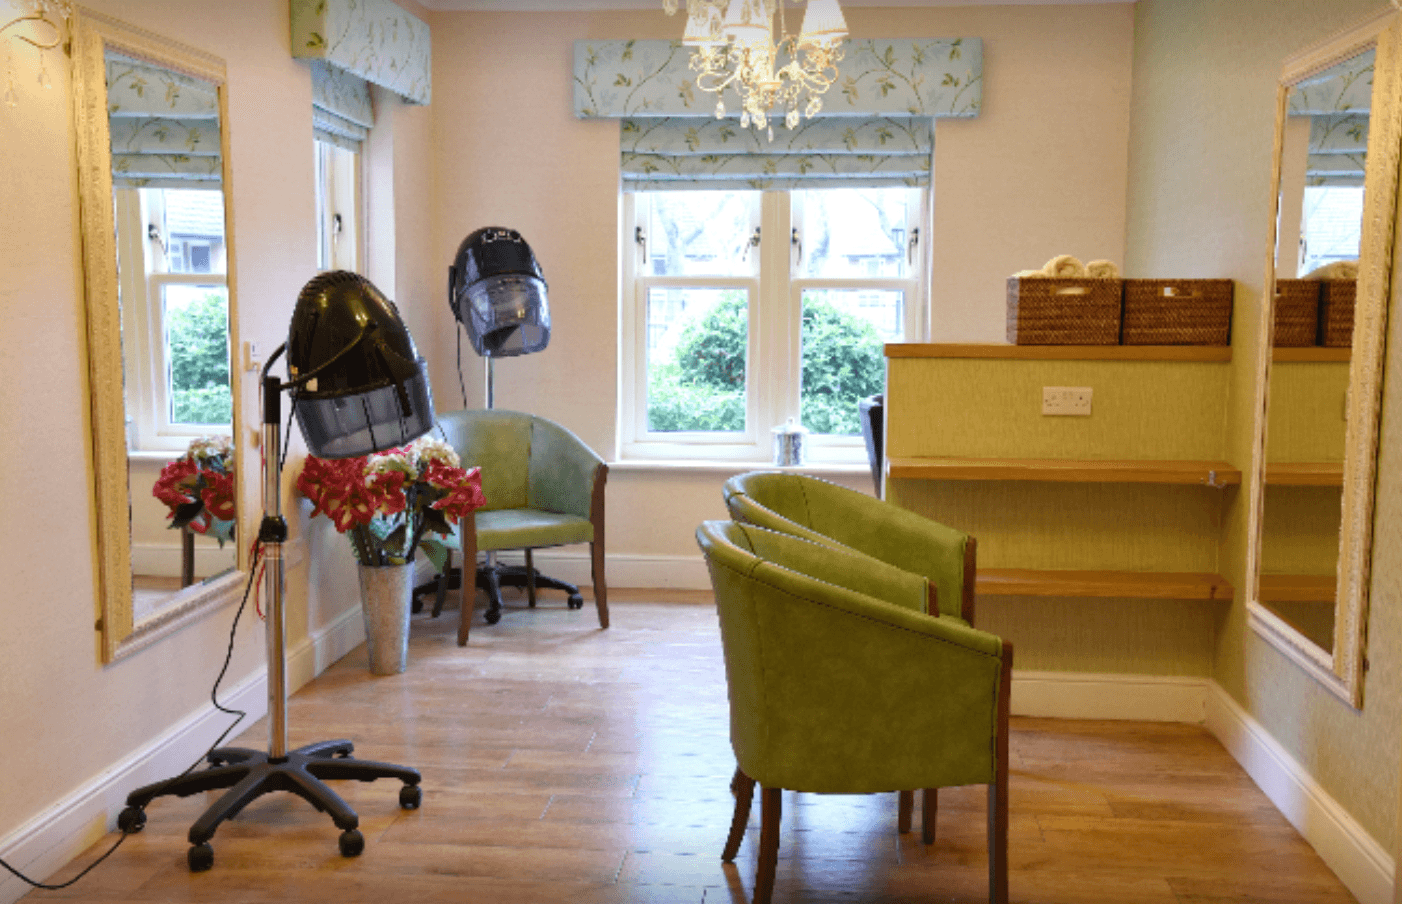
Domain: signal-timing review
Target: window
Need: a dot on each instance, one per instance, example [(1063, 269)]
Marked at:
[(338, 208), (745, 310), (1332, 225), (175, 313)]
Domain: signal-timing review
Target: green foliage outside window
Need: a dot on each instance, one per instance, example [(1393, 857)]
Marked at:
[(704, 388), (197, 334)]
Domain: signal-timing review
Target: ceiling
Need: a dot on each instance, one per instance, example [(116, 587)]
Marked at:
[(591, 5)]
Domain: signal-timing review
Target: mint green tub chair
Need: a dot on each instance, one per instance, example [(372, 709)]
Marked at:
[(834, 515), (544, 487), (841, 683)]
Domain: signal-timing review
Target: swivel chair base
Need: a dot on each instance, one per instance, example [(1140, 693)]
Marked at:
[(252, 773), (491, 577)]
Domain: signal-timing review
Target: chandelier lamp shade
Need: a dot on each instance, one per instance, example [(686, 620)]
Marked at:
[(735, 44)]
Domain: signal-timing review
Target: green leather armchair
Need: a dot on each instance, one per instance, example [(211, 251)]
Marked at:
[(836, 516), (840, 683), (544, 487)]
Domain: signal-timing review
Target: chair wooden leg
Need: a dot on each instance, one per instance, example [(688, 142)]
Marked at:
[(440, 593), (770, 804), (905, 809), (467, 597), (601, 591), (530, 578), (929, 805), (743, 787), (998, 792)]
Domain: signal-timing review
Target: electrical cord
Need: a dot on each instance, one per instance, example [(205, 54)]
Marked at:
[(462, 387), (239, 715)]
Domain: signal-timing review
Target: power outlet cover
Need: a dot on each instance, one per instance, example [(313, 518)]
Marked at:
[(1066, 401)]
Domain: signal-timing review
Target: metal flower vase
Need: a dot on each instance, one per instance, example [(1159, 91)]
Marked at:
[(386, 594)]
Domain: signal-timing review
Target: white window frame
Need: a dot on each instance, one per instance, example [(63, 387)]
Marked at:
[(773, 358), (147, 381), (340, 206)]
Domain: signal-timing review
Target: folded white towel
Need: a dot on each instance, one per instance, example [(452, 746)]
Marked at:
[(1102, 270), (1029, 274), (1336, 270), (1064, 266)]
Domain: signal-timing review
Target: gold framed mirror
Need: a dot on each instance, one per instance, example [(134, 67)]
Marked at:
[(1319, 380), (154, 183)]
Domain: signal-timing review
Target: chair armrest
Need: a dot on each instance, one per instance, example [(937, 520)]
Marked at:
[(563, 471)]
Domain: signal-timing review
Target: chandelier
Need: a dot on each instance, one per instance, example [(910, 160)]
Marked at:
[(735, 46)]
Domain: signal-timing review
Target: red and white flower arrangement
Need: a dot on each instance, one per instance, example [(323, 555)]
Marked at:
[(198, 487), (387, 502)]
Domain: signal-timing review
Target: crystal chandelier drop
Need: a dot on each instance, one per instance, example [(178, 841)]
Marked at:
[(736, 46)]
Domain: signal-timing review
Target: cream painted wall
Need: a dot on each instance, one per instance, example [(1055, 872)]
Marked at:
[(1040, 172), (1199, 205), (79, 717)]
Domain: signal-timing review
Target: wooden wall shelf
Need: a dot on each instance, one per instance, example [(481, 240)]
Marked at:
[(1207, 473), (1122, 584), (1298, 588), (1305, 474), (1311, 354), (1208, 353)]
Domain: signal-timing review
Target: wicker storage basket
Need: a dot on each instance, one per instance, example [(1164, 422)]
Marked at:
[(1336, 312), (1296, 312), (1178, 312), (1049, 311)]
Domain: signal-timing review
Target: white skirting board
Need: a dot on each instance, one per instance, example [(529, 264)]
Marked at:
[(69, 827), (571, 564), (1082, 695), (164, 559), (1365, 868), (66, 829)]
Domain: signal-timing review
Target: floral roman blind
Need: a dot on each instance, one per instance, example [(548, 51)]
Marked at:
[(875, 129), (707, 153), (164, 127), (341, 110), (1338, 103)]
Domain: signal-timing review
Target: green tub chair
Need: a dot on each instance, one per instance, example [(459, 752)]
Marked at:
[(833, 515), (544, 487), (841, 683)]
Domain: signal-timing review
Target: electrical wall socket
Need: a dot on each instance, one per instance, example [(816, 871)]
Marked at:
[(1066, 400)]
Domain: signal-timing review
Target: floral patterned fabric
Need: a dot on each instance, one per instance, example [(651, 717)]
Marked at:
[(164, 127), (933, 77), (375, 39), (691, 153), (1337, 101), (341, 109)]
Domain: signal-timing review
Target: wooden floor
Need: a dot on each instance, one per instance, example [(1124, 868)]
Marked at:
[(562, 763)]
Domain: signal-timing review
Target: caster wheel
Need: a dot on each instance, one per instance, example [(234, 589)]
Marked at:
[(492, 617), (352, 843), (575, 602), (410, 796), (200, 857), (131, 820)]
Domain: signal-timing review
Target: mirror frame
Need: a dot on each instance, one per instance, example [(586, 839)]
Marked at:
[(1342, 669), (92, 35)]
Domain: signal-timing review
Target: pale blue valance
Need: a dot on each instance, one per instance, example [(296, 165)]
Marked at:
[(164, 127), (342, 113), (931, 77), (660, 153), (375, 39)]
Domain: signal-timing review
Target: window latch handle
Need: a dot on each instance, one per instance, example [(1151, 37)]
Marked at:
[(640, 238), (797, 242), (752, 242), (910, 248)]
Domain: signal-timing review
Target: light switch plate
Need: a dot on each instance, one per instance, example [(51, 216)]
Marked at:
[(1066, 401)]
